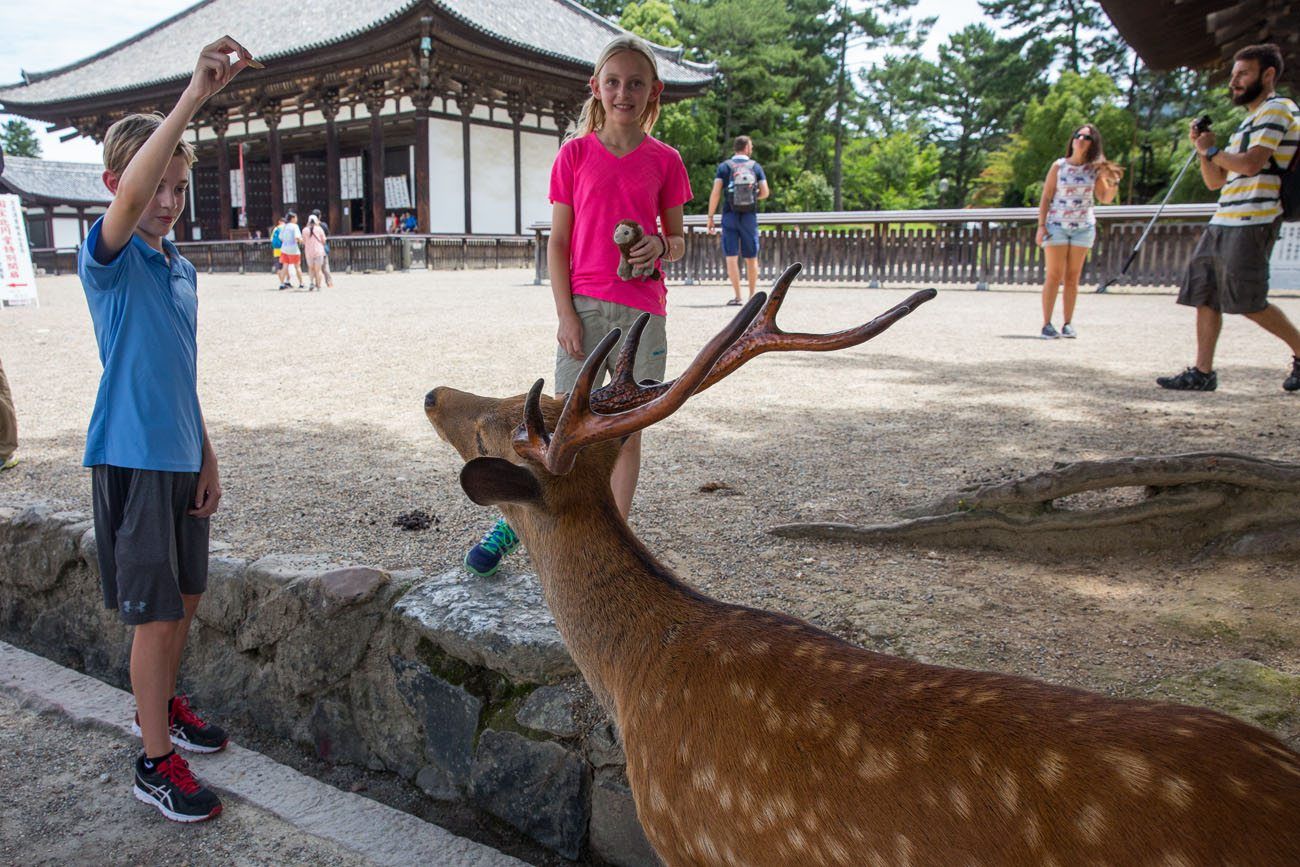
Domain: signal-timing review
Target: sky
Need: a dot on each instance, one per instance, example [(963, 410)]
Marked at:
[(85, 27)]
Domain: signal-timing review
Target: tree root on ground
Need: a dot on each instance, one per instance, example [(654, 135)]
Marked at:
[(1209, 501)]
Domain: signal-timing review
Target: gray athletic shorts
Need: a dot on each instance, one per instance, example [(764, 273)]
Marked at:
[(1229, 268), (150, 550), (598, 319)]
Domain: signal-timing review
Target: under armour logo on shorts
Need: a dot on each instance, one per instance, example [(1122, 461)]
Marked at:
[(133, 607)]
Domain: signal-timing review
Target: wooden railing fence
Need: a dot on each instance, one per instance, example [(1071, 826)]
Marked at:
[(977, 247)]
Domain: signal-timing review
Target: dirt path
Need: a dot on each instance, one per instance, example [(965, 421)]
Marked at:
[(56, 808), (314, 402)]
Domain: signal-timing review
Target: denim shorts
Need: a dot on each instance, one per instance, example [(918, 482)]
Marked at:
[(1059, 236)]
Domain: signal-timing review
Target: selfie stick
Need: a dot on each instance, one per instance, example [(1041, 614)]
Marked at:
[(1201, 126)]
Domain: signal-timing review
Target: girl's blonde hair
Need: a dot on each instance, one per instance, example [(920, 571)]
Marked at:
[(592, 117)]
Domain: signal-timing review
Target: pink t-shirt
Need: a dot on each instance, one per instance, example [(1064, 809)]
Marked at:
[(603, 189)]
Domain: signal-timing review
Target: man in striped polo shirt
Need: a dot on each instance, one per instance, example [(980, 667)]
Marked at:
[(1229, 268)]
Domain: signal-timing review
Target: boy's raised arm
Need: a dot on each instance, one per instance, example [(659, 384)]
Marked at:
[(137, 186)]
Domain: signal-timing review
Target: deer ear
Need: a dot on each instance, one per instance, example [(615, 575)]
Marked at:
[(491, 481)]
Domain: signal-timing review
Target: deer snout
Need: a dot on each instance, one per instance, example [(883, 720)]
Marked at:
[(431, 400)]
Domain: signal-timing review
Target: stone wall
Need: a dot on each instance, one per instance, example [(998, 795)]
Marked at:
[(462, 686)]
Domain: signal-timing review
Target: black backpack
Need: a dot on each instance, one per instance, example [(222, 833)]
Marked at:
[(1290, 178), (744, 186)]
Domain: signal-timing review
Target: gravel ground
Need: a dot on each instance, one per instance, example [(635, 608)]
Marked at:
[(67, 800), (314, 402)]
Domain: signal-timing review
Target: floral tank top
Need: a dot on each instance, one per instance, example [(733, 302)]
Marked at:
[(1072, 205)]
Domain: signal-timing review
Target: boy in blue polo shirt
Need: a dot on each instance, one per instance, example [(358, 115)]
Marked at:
[(153, 468)]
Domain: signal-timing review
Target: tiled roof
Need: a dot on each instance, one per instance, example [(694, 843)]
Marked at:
[(50, 179), (556, 28)]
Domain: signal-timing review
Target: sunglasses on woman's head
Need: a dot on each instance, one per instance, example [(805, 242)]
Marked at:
[(1083, 135)]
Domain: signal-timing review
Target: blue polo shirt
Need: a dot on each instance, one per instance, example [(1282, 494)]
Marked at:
[(145, 312)]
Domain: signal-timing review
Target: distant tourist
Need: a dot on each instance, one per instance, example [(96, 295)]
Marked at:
[(1067, 226), (740, 184), (409, 223), (8, 425), (325, 264), (1228, 272), (153, 467), (313, 245), (608, 170), (290, 251), (276, 252)]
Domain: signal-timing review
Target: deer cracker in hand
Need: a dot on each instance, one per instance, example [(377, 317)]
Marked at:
[(627, 234)]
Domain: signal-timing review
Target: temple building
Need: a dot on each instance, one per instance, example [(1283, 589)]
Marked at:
[(449, 109), (60, 200), (1168, 34)]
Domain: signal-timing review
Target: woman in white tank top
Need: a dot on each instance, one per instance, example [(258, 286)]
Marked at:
[(1066, 223)]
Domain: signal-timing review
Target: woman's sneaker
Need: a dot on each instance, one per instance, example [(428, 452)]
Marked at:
[(1190, 379), (1067, 330), (1049, 332), (485, 558), (188, 730), (173, 790)]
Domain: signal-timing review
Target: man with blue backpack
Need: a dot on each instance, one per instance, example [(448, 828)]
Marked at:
[(745, 185)]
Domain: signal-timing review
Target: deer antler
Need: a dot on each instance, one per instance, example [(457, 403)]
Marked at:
[(763, 335), (579, 426), (625, 406)]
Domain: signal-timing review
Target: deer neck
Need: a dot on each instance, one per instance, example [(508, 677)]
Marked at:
[(612, 601)]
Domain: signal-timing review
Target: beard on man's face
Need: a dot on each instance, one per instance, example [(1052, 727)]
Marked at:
[(1250, 94)]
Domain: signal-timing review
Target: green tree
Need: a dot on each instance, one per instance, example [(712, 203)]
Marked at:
[(1079, 26), (896, 172), (610, 9), (19, 140), (809, 192), (978, 90), (654, 20)]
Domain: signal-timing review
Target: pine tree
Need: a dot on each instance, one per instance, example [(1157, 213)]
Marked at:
[(19, 140)]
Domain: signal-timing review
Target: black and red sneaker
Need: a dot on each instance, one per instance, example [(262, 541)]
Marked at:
[(188, 730), (173, 790)]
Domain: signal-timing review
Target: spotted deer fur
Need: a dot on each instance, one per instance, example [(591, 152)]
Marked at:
[(754, 738)]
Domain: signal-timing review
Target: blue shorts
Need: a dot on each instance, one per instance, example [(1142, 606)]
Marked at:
[(1059, 236), (740, 234)]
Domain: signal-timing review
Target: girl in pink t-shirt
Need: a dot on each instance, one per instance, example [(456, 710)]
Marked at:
[(609, 169)]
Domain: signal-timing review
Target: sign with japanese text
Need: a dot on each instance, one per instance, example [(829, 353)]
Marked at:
[(17, 278)]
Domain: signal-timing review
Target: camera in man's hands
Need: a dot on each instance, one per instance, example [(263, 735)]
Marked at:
[(1203, 125)]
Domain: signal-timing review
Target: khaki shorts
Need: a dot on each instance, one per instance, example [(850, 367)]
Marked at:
[(1229, 268), (598, 319)]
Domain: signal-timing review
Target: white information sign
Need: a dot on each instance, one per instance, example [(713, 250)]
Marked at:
[(17, 278), (397, 193)]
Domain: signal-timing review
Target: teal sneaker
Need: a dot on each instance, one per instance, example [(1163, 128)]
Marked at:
[(485, 558)]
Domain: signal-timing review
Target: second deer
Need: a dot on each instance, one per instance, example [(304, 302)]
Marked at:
[(756, 738)]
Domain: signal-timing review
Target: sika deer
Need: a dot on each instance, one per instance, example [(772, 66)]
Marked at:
[(755, 738)]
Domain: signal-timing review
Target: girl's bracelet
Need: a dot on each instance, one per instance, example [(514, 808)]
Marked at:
[(664, 242)]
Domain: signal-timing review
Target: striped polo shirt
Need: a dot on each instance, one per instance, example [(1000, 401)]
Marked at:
[(1248, 199)]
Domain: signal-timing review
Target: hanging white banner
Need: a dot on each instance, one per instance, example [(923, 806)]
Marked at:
[(17, 279)]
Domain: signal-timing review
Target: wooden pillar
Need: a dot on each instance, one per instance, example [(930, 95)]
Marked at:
[(220, 123), (271, 113), (375, 100), (81, 225), (516, 110), (422, 100), (465, 102), (329, 106)]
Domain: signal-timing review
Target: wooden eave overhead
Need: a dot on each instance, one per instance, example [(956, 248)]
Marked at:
[(1168, 34)]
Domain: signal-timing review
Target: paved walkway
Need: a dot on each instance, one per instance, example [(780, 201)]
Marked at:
[(60, 731)]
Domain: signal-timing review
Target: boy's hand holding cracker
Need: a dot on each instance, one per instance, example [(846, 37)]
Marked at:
[(215, 69)]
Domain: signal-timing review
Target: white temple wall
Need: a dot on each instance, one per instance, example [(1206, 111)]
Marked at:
[(67, 232), (446, 177), (536, 154), (492, 189)]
